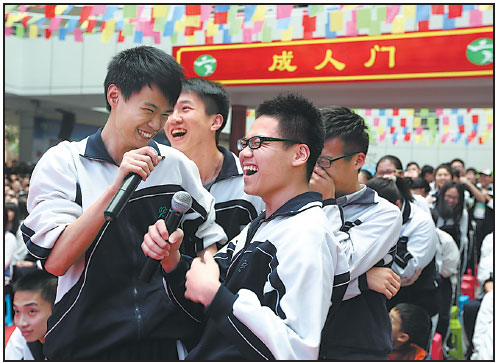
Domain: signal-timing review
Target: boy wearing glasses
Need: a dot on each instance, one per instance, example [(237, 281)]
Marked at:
[(267, 293), (361, 328), (194, 128)]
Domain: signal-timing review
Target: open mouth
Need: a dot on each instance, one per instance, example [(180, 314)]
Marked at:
[(146, 135), (178, 132), (250, 170)]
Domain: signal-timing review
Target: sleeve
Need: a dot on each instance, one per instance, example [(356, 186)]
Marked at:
[(486, 261), (52, 201), (449, 254), (293, 330), (419, 249), (372, 241), (10, 247), (484, 330), (17, 348)]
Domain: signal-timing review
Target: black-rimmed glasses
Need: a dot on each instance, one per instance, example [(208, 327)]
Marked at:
[(255, 142), (325, 162)]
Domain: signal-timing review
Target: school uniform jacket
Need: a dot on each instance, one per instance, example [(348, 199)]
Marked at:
[(234, 209), (100, 300), (279, 278), (18, 348), (367, 232)]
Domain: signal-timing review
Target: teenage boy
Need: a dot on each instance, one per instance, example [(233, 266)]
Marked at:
[(34, 296), (361, 328), (103, 311), (267, 293), (194, 127)]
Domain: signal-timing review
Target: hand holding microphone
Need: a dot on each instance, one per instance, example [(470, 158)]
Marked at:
[(154, 243), (129, 185)]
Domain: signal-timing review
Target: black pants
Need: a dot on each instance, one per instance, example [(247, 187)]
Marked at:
[(446, 291), (151, 350), (470, 311)]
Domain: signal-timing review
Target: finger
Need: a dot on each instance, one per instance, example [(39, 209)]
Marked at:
[(158, 233), (153, 154), (162, 229), (151, 249), (177, 236)]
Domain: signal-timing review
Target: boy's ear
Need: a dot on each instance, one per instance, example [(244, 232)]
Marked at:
[(217, 122), (403, 337), (113, 95), (359, 161), (301, 155)]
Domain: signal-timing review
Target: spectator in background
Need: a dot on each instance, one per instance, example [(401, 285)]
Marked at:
[(364, 176), (414, 259), (34, 297), (452, 217), (442, 176), (420, 186), (411, 332), (412, 166), (471, 175), (427, 173), (459, 165)]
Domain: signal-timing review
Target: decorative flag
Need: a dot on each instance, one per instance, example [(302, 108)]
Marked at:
[(336, 20), (259, 14), (49, 11), (283, 11), (129, 11), (85, 13)]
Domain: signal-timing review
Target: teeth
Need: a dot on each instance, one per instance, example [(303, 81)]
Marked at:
[(145, 134), (250, 170), (178, 132)]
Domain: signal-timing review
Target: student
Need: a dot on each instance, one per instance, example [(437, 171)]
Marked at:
[(414, 260), (368, 232), (411, 332), (194, 127), (34, 296), (277, 276), (102, 310)]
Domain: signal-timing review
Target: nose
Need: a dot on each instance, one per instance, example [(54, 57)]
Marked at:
[(21, 320), (175, 117), (155, 122)]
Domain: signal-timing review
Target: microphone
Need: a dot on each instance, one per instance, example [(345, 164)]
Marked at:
[(120, 199), (181, 202)]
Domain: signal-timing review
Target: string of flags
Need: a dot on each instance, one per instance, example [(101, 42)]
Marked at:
[(224, 24), (439, 126)]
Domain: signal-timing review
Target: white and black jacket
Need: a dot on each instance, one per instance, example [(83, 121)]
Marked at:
[(367, 232), (234, 209), (100, 300), (279, 278)]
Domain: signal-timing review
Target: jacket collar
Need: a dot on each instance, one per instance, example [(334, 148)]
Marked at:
[(365, 196), (95, 148), (297, 205), (229, 167)]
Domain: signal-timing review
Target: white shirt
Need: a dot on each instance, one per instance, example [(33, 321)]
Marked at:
[(17, 347)]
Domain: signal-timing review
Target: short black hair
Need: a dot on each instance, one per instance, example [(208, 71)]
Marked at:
[(455, 160), (427, 169), (38, 280), (395, 160), (472, 170), (416, 323), (391, 189), (420, 183), (348, 126), (134, 68), (214, 97), (444, 166), (368, 174), (299, 120), (413, 163)]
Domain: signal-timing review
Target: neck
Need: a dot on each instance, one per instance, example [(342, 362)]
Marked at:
[(112, 141), (208, 160), (277, 200), (348, 189)]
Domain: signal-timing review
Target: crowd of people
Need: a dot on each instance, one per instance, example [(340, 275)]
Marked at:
[(290, 250)]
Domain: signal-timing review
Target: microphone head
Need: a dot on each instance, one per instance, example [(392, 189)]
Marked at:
[(181, 201)]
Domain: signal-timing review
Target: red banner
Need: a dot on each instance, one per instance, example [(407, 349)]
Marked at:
[(419, 55)]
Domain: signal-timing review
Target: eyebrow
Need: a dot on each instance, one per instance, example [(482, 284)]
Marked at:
[(28, 304)]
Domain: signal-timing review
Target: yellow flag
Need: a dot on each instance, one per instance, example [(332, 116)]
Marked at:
[(193, 20), (59, 9), (33, 31), (212, 28), (417, 121), (191, 39), (108, 31), (398, 25), (259, 13), (336, 21), (409, 11), (180, 25), (160, 11), (287, 35)]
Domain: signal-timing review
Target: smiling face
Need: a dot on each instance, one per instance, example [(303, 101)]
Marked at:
[(31, 313), (268, 168), (442, 177), (451, 197), (189, 125), (139, 118)]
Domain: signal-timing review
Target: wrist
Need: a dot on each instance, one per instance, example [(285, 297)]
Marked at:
[(210, 292), (169, 263)]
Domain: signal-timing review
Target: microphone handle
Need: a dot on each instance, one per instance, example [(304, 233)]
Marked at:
[(120, 199), (172, 220)]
